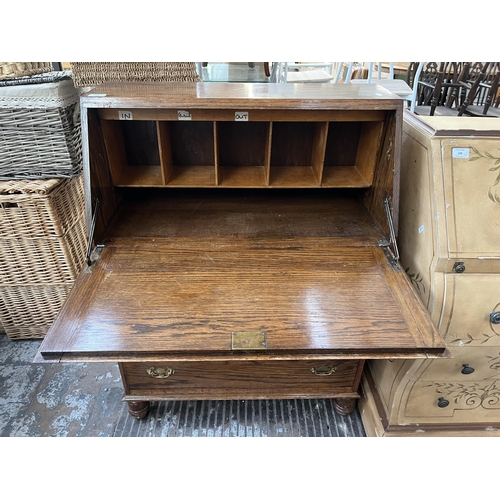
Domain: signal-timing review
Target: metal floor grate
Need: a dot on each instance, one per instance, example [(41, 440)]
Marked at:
[(253, 418)]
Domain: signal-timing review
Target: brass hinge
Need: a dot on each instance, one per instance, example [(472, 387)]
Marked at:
[(94, 257)]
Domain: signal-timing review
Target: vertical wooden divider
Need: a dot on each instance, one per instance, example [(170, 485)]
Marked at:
[(267, 153), (318, 150), (216, 156), (97, 172), (165, 148), (386, 176), (368, 148), (115, 149)]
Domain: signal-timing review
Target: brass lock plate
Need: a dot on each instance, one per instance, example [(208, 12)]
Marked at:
[(248, 341)]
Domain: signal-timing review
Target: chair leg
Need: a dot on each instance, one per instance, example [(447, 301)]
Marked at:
[(436, 94), (471, 94), (491, 94)]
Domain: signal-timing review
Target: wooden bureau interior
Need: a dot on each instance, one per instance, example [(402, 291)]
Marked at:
[(242, 238)]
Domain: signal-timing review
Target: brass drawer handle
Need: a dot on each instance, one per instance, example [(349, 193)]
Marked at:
[(323, 371), (160, 372)]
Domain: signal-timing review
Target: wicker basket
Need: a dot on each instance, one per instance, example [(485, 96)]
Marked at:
[(44, 208), (43, 261), (40, 136), (94, 73), (43, 244), (53, 76), (27, 312), (18, 69)]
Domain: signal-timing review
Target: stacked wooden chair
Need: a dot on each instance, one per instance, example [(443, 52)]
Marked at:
[(456, 89), (487, 97)]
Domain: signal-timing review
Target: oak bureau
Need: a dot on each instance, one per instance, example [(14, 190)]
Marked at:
[(241, 242)]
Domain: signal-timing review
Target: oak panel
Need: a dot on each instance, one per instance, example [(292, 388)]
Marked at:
[(267, 115), (271, 217), (151, 298), (189, 95)]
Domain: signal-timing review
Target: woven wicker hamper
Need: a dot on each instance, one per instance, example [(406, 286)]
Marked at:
[(95, 73), (42, 249), (42, 231), (19, 69), (43, 261), (40, 208), (28, 311), (40, 136)]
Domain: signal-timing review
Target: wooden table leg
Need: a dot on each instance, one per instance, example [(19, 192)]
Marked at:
[(344, 406), (138, 409)]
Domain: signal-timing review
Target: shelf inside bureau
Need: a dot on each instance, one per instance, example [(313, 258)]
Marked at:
[(253, 215)]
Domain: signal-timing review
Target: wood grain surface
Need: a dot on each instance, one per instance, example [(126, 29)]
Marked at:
[(312, 279), (239, 95), (243, 379)]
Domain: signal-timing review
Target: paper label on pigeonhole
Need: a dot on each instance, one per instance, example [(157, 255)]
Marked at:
[(241, 116), (125, 115), (184, 115)]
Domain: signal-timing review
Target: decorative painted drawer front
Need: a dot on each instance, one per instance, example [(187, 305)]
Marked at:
[(470, 381), (471, 313), (471, 170), (465, 388)]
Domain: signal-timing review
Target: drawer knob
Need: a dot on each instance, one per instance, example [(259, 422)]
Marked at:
[(443, 403), (160, 372), (467, 370), (323, 371), (495, 317), (459, 267)]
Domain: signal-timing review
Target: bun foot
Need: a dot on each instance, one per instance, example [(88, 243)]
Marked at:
[(344, 406), (138, 409)]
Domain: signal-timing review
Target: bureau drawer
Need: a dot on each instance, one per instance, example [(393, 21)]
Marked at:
[(474, 402), (471, 313), (465, 388), (467, 363), (242, 379)]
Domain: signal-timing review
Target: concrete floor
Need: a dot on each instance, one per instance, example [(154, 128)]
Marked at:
[(84, 400), (53, 399)]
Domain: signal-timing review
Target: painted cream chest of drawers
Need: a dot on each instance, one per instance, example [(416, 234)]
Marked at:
[(449, 241)]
